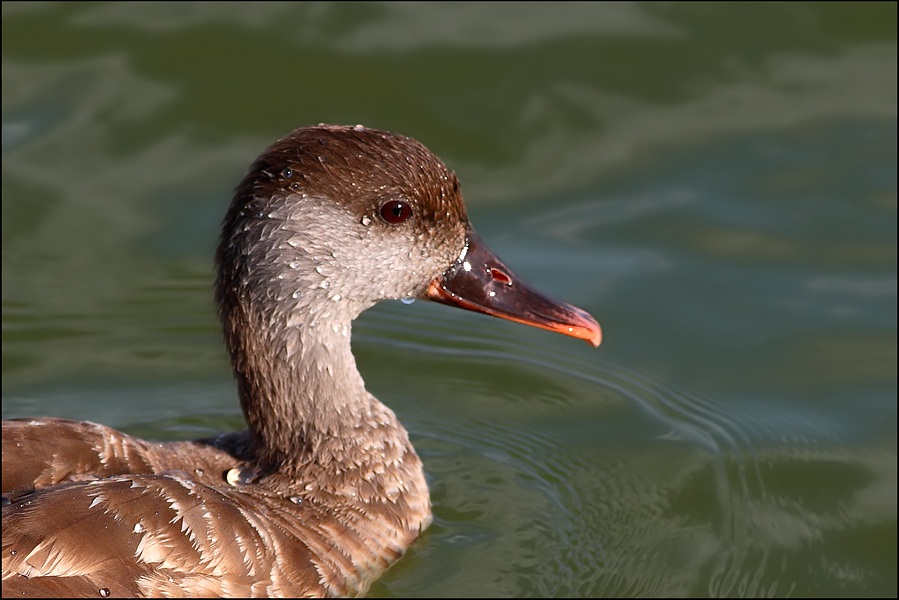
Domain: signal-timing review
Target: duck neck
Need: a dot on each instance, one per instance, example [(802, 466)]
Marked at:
[(306, 404)]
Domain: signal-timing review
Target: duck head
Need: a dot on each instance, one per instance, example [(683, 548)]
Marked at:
[(332, 219)]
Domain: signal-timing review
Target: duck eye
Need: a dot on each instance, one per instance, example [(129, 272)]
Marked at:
[(396, 211)]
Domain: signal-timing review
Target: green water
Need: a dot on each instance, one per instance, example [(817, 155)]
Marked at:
[(716, 183)]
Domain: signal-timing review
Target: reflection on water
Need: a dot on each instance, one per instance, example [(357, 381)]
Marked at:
[(661, 492), (717, 185)]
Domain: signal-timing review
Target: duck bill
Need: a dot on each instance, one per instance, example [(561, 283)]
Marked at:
[(479, 281)]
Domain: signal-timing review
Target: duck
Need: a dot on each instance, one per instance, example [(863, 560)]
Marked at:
[(323, 490)]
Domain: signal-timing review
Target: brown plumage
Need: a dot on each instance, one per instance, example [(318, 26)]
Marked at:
[(323, 491)]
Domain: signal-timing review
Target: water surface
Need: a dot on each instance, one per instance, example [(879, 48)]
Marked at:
[(717, 184)]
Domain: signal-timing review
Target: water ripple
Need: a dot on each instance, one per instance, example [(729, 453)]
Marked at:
[(702, 503)]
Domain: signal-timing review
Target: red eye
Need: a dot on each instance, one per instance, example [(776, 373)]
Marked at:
[(396, 211)]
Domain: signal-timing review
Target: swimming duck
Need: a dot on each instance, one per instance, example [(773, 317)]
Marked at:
[(323, 490)]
